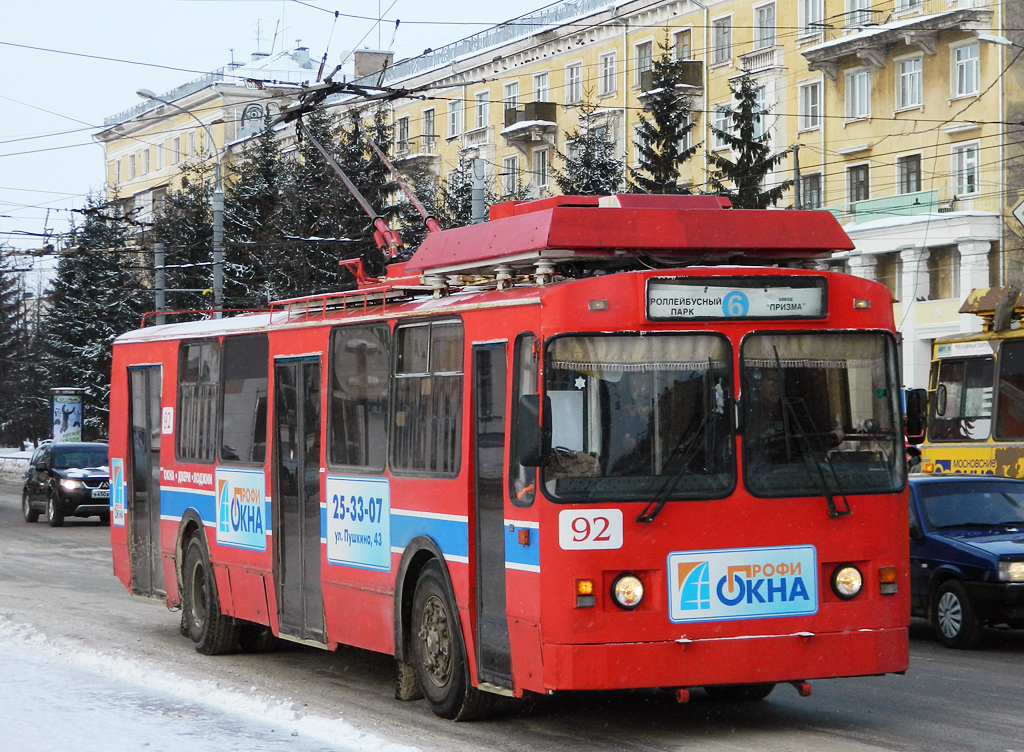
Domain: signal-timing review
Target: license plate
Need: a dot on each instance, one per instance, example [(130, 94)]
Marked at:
[(101, 493)]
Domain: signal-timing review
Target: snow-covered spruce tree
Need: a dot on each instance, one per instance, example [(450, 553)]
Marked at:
[(742, 178), (184, 224), (252, 233), (94, 297), (662, 139), (591, 167), (23, 413)]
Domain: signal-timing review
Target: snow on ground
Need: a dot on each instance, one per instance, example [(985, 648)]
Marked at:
[(13, 463), (55, 697)]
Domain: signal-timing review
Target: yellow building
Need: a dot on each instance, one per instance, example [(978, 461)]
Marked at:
[(893, 114)]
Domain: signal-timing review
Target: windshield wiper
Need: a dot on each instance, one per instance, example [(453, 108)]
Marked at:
[(809, 451)]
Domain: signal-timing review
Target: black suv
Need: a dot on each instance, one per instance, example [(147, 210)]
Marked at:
[(67, 480)]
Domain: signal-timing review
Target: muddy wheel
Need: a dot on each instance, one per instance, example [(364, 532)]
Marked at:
[(211, 632), (439, 652), (54, 516), (30, 514)]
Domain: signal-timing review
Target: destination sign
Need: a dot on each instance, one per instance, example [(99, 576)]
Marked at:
[(725, 298)]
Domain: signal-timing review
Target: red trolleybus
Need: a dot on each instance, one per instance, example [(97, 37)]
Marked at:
[(574, 448)]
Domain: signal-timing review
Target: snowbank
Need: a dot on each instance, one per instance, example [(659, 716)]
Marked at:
[(13, 463)]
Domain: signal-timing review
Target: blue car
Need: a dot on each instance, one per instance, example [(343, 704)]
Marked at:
[(967, 554)]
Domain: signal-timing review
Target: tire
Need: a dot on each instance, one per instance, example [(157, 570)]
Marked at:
[(439, 652), (740, 692), (954, 617), (54, 516), (211, 632), (30, 514)]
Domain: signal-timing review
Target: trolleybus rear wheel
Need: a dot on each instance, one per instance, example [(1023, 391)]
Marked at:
[(211, 632), (439, 652)]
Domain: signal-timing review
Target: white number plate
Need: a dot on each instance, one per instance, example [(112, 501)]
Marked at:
[(101, 493), (580, 529)]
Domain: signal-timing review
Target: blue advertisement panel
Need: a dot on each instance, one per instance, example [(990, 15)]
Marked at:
[(742, 583), (359, 522), (118, 491), (67, 414), (242, 510)]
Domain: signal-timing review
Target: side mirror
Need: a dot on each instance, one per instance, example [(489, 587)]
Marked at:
[(41, 466), (917, 415), (533, 438)]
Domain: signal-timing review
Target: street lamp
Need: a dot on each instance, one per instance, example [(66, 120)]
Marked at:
[(218, 205)]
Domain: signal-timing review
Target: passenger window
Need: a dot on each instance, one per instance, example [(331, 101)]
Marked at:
[(358, 404)]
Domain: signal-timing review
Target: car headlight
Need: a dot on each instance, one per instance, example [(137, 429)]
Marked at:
[(69, 484), (1011, 571), (847, 581), (627, 591)]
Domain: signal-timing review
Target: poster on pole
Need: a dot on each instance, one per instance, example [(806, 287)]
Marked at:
[(67, 413)]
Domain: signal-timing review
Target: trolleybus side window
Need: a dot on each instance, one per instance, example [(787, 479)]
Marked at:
[(524, 381), (244, 400), (1010, 400), (426, 429), (639, 417), (820, 414), (962, 408), (198, 399), (358, 404)]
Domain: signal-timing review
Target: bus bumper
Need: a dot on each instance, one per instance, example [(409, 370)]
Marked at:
[(729, 660)]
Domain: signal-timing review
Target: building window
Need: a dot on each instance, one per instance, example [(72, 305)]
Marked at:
[(721, 40), (812, 12), (192, 144), (760, 110), (966, 169), (606, 82), (117, 172), (357, 414), (131, 166), (858, 12), (402, 135), (454, 118), (161, 155), (723, 123), (810, 106), (943, 273), (858, 95), (540, 88), (510, 175), (426, 425), (764, 26), (511, 95), (429, 134), (574, 84), (907, 4), (644, 59), (682, 46), (145, 161), (481, 109), (176, 150), (889, 272), (540, 168), (908, 171), (810, 191), (857, 186), (966, 72), (908, 83)]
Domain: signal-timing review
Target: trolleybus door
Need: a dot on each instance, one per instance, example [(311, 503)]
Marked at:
[(494, 659), (297, 498), (144, 468)]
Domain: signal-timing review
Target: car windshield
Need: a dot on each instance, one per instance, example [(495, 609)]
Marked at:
[(639, 417), (80, 456), (972, 503), (820, 414)]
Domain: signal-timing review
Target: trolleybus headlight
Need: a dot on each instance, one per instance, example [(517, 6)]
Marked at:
[(71, 485), (628, 591), (1011, 571), (847, 581)]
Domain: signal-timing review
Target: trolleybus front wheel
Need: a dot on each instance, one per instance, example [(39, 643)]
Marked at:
[(439, 652), (211, 632)]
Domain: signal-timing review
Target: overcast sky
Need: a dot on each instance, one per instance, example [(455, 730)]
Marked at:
[(68, 64)]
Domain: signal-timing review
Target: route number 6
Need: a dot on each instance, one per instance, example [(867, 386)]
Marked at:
[(583, 529)]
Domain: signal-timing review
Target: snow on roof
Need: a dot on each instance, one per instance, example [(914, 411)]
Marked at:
[(903, 221), (871, 31)]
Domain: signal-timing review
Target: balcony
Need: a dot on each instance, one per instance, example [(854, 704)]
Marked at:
[(536, 122), (418, 154), (478, 137), (691, 84), (872, 42), (902, 205), (761, 60)]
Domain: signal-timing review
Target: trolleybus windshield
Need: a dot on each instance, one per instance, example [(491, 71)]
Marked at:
[(636, 417), (820, 414)]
